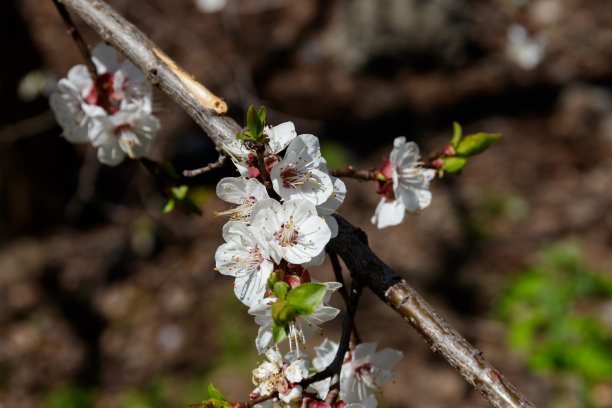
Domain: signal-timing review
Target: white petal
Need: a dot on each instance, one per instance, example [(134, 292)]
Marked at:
[(280, 136), (388, 213), (105, 59)]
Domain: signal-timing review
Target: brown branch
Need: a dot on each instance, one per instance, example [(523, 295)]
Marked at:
[(361, 175), (351, 242)]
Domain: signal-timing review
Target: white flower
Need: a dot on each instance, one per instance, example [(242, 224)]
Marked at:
[(410, 184), (301, 330), (302, 174), (241, 191), (292, 231), (280, 375), (130, 131), (523, 50), (119, 122), (367, 369), (242, 257), (71, 112)]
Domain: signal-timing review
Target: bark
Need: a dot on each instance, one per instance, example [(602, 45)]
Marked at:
[(350, 244)]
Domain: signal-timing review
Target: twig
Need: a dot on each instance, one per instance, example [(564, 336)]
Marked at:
[(334, 368), (76, 36), (220, 162), (350, 244), (362, 175)]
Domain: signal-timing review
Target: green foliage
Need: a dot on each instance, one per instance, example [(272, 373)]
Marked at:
[(460, 148), (302, 300), (453, 164), (280, 289), (69, 396), (256, 122), (472, 145), (551, 308), (306, 297)]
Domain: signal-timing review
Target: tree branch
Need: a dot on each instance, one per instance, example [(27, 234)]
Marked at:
[(351, 242)]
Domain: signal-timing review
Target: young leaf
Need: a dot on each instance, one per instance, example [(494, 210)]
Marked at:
[(280, 289), (477, 143), (306, 297), (180, 192), (456, 135), (214, 393), (252, 122), (279, 333), (283, 313), (454, 164), (169, 206)]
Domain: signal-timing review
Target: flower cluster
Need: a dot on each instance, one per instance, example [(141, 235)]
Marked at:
[(111, 109), (288, 230)]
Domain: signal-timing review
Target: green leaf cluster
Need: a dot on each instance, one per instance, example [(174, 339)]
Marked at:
[(256, 122), (550, 307), (302, 300), (467, 146)]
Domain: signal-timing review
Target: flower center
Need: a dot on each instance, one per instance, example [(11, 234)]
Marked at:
[(109, 99), (292, 177), (363, 373), (287, 234)]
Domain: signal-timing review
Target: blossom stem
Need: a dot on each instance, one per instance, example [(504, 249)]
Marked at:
[(362, 175)]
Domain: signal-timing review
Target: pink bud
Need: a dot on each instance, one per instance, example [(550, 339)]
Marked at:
[(437, 163), (386, 170), (449, 151)]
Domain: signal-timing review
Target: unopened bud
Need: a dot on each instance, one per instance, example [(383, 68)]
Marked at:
[(449, 151), (437, 163)]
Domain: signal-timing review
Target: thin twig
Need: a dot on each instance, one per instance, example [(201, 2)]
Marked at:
[(219, 163), (361, 175), (350, 244), (76, 36), (333, 257), (345, 339)]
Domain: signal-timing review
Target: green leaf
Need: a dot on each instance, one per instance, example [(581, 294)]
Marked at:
[(454, 164), (214, 393), (306, 297), (240, 136), (180, 192), (279, 333), (477, 143), (283, 313), (262, 116), (167, 169), (169, 206), (252, 122), (456, 135), (280, 289)]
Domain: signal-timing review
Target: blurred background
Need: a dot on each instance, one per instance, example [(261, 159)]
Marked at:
[(105, 301)]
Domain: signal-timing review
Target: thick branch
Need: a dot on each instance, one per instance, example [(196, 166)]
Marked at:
[(350, 244)]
